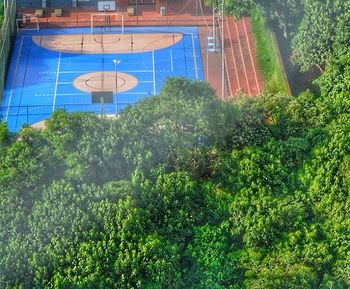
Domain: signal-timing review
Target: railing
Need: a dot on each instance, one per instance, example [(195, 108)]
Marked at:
[(16, 116), (166, 21)]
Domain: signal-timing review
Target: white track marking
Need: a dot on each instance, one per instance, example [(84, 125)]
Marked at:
[(154, 73), (207, 66), (242, 57), (13, 80), (251, 56), (171, 60), (194, 57), (233, 56), (56, 84)]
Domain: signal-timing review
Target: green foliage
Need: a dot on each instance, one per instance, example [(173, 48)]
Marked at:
[(212, 263), (322, 32), (286, 14), (179, 128), (335, 88), (4, 135), (98, 154), (238, 8), (1, 13), (183, 191), (25, 163), (312, 44)]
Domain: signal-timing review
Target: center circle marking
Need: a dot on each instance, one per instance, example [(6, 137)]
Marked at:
[(105, 81)]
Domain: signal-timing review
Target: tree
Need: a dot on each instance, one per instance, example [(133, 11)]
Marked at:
[(334, 86), (90, 148), (322, 32), (26, 164), (14, 244), (313, 44), (285, 14), (213, 263)]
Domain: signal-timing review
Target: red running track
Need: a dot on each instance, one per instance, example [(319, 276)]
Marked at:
[(240, 58)]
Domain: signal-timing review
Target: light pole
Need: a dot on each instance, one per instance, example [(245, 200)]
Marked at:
[(116, 62)]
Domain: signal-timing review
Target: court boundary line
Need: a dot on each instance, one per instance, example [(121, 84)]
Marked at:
[(14, 79), (194, 57), (86, 71), (77, 94), (56, 84), (171, 60), (24, 79), (70, 82), (154, 73)]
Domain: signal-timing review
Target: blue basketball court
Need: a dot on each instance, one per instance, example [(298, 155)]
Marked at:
[(40, 80)]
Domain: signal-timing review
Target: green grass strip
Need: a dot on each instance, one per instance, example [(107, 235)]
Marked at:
[(267, 55)]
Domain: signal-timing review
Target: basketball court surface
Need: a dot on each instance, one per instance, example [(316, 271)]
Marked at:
[(74, 69)]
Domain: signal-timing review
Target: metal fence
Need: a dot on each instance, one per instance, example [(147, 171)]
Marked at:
[(127, 22), (17, 116), (7, 34)]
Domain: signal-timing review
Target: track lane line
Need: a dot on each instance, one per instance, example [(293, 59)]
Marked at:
[(233, 55), (226, 66), (241, 52)]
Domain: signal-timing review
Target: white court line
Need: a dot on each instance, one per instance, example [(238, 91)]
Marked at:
[(85, 71), (140, 81), (86, 93), (70, 82), (56, 85), (154, 74), (194, 57), (59, 94), (13, 80), (131, 93), (171, 60)]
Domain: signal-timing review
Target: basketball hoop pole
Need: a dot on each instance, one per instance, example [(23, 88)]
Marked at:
[(116, 62)]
